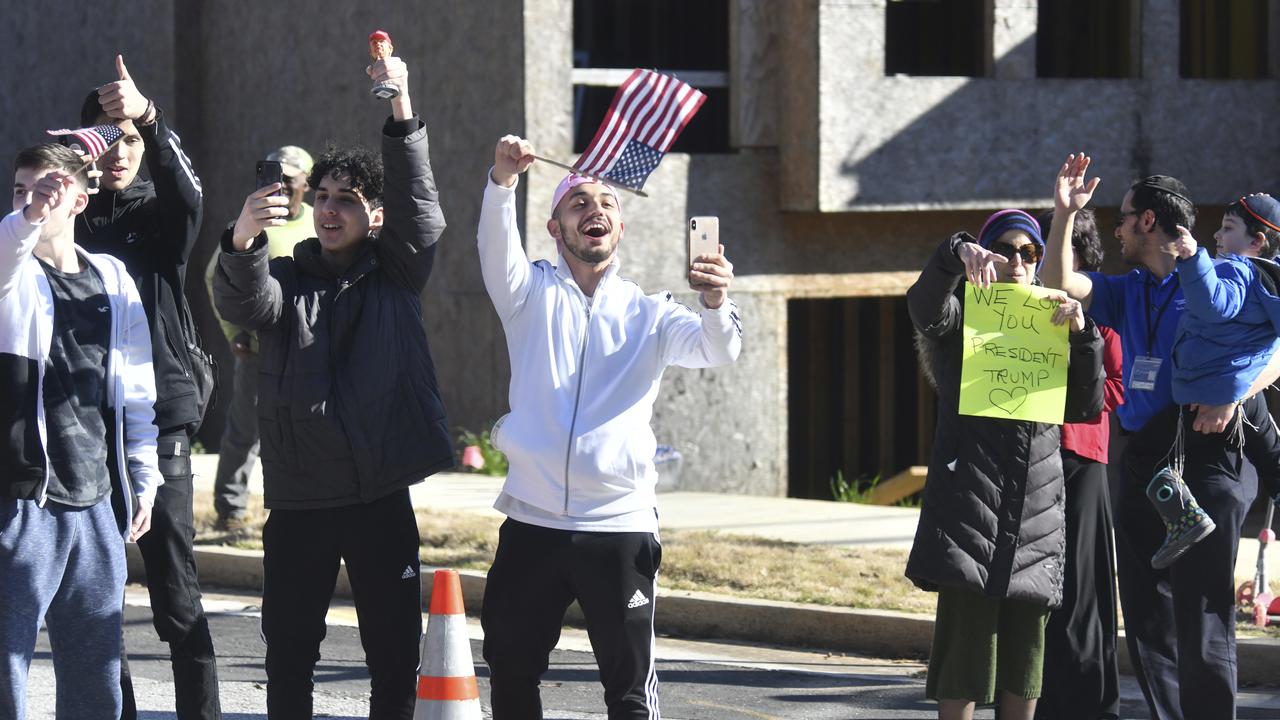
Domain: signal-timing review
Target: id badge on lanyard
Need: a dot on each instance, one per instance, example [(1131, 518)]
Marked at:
[(1147, 367), (1145, 370)]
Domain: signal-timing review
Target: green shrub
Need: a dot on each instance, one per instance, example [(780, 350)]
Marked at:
[(495, 463)]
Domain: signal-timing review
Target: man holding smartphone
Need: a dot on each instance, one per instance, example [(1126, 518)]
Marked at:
[(288, 165), (588, 350), (152, 225), (348, 404)]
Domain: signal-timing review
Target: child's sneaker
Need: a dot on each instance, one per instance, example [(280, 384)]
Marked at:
[(1185, 522)]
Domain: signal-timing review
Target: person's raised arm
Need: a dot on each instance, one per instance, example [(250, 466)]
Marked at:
[(503, 263), (713, 337), (178, 191), (413, 220), (20, 230), (931, 300), (1070, 194), (244, 293)]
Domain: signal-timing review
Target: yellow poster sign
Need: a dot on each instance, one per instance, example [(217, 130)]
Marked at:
[(1014, 362)]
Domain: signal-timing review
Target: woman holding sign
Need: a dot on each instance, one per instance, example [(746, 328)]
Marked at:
[(991, 534)]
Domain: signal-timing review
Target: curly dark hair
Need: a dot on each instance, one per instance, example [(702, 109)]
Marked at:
[(1085, 240), (362, 165), (52, 156), (1271, 242), (1166, 197)]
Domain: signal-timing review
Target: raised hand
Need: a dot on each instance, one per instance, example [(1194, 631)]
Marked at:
[(1184, 246), (979, 263), (121, 100), (1070, 191), (262, 209), (46, 194), (392, 70), (711, 275), (512, 156)]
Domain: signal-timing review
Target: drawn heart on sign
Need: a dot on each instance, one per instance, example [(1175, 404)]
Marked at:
[(1008, 400)]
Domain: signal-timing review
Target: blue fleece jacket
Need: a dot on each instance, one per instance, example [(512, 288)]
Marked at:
[(1229, 332)]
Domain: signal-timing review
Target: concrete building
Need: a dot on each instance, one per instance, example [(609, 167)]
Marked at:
[(843, 139)]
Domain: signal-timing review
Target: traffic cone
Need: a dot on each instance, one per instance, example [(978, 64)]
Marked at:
[(447, 687)]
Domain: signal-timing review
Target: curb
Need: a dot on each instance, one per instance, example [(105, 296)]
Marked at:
[(684, 613)]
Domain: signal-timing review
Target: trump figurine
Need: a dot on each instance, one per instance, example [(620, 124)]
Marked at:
[(380, 48)]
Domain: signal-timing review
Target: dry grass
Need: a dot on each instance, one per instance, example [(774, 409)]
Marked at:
[(774, 570), (703, 561)]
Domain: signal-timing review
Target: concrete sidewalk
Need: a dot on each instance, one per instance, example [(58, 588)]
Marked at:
[(818, 522)]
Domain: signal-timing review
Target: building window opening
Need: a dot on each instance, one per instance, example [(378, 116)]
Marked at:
[(937, 37), (1225, 39), (687, 39), (858, 406), (1088, 39)]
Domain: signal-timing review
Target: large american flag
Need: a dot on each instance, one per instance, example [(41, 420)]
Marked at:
[(647, 114), (93, 141)]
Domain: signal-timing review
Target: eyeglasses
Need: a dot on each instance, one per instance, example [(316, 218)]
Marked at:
[(1124, 214), (1030, 252)]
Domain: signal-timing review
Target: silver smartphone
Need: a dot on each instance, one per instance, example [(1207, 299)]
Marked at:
[(704, 237)]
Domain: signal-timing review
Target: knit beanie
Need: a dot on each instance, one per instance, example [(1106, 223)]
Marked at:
[(1006, 220)]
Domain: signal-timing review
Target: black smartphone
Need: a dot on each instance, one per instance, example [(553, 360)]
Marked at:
[(270, 171)]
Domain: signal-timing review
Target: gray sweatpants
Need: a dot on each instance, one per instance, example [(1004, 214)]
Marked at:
[(65, 565)]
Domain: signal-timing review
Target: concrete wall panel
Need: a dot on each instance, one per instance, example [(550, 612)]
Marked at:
[(57, 51), (939, 142), (298, 77)]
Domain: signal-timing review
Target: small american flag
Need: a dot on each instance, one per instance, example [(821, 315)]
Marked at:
[(647, 114), (93, 141)]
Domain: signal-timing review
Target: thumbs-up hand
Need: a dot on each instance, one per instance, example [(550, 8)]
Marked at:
[(121, 100)]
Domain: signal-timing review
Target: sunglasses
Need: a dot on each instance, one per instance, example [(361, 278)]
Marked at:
[(1030, 252)]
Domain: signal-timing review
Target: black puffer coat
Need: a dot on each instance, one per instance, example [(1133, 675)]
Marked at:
[(348, 403), (992, 517)]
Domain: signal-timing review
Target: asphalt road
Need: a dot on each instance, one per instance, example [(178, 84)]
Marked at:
[(703, 680)]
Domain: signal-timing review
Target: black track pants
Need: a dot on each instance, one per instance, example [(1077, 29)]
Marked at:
[(379, 543), (537, 572)]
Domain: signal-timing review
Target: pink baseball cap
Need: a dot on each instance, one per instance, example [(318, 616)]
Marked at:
[(573, 180)]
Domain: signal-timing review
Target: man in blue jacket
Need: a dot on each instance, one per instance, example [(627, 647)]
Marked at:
[(1180, 621)]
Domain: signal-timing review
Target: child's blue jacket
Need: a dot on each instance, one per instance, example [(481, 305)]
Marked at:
[(1230, 329)]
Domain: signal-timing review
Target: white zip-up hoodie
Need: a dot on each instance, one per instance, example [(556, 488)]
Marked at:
[(26, 332), (585, 372)]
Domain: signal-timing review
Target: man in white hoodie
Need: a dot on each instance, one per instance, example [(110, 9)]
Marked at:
[(78, 465), (587, 349)]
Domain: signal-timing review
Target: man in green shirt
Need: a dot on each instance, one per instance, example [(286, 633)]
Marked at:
[(239, 449)]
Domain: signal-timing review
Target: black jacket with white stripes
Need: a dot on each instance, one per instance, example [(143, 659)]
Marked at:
[(152, 226)]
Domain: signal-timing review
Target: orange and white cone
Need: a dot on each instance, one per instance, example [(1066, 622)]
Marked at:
[(447, 687)]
